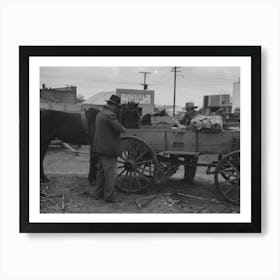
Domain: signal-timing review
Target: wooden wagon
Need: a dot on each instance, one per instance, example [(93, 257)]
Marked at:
[(152, 155)]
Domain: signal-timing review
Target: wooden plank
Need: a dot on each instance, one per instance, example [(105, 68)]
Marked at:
[(178, 153)]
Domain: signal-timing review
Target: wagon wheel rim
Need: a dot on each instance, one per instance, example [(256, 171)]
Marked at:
[(137, 165), (227, 177)]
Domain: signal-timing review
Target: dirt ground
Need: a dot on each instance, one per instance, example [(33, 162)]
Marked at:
[(70, 192)]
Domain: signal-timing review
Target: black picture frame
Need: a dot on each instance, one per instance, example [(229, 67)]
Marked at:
[(25, 52)]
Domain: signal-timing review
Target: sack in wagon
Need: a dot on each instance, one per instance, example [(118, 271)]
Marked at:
[(204, 122)]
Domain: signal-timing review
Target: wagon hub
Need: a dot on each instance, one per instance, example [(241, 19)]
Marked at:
[(129, 165)]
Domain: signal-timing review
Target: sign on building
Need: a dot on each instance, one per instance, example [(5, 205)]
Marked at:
[(145, 98), (137, 98)]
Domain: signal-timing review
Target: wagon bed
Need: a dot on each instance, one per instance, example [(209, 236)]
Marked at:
[(152, 155), (188, 140)]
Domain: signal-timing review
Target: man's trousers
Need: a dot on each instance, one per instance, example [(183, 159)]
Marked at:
[(106, 177)]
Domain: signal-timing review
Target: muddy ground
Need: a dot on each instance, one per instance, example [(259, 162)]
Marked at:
[(69, 191)]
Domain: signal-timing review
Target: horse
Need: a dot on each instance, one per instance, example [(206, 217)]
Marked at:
[(78, 129), (129, 114), (147, 119), (69, 128)]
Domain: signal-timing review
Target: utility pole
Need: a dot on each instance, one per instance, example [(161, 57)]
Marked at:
[(175, 70), (145, 86)]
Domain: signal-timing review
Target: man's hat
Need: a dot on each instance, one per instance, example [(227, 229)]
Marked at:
[(114, 99), (190, 105)]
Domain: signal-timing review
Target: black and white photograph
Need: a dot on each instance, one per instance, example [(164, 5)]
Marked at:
[(134, 135), (140, 139)]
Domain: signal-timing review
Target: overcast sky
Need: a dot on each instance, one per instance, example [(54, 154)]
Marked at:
[(192, 86)]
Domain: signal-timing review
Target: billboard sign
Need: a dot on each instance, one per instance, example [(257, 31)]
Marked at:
[(141, 98)]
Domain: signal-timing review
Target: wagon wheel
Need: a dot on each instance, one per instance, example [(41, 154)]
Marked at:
[(220, 156), (137, 166), (227, 177)]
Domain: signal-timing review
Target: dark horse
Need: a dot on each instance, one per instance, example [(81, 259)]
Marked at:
[(74, 128), (147, 119), (129, 115), (69, 128)]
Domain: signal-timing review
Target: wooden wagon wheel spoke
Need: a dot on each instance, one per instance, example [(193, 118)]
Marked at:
[(123, 158), (228, 190), (144, 162), (144, 169), (228, 175), (232, 166), (228, 170), (225, 173), (136, 153), (141, 155), (142, 176), (233, 195), (137, 180), (126, 154), (130, 180), (121, 173), (234, 180), (121, 166), (126, 173)]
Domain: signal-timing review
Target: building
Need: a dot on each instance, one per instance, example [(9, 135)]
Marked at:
[(212, 103), (58, 95), (98, 100), (236, 96), (145, 98)]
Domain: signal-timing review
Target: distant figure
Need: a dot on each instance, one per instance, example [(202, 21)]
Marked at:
[(107, 146), (190, 113)]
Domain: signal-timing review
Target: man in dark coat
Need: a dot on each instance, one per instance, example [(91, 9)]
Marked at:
[(107, 146)]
